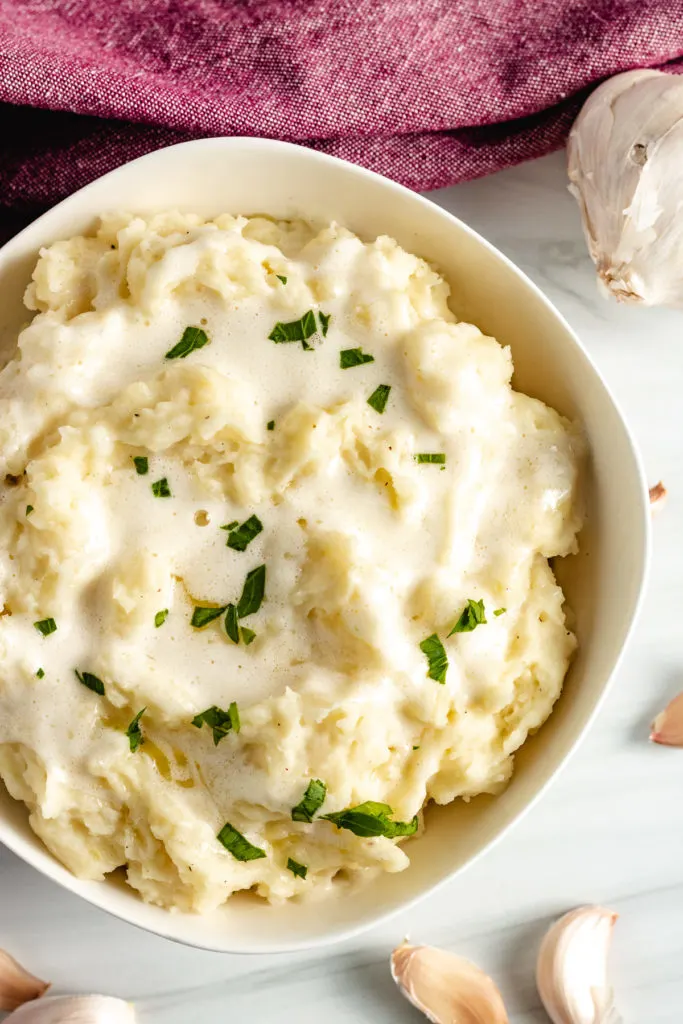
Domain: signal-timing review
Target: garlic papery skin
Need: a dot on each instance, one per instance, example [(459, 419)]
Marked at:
[(657, 496), (667, 727), (17, 986), (447, 988), (625, 153), (74, 1010), (571, 970)]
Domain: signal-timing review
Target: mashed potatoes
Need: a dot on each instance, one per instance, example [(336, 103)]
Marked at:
[(274, 543)]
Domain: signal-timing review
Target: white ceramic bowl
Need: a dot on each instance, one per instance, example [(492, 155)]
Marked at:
[(603, 583)]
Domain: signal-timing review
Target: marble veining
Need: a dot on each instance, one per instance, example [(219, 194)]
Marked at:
[(610, 829)]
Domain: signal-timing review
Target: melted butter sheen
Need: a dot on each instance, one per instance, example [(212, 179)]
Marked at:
[(367, 552)]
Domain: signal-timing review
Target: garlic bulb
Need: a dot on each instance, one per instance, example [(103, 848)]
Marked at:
[(446, 988), (74, 1010), (625, 153), (667, 727), (571, 971), (17, 986)]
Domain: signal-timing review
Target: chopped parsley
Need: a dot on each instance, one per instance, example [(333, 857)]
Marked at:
[(141, 464), (232, 624), (439, 458), (220, 722), (349, 357), (416, 747), (436, 655), (252, 592), (271, 425), (46, 626), (134, 732), (193, 338), (202, 615), (160, 488), (312, 801), (249, 603), (29, 509), (324, 322), (372, 819), (300, 870), (232, 525), (240, 537), (40, 673), (236, 844), (295, 330), (91, 681), (160, 618), (473, 615), (500, 611), (379, 397), (281, 277)]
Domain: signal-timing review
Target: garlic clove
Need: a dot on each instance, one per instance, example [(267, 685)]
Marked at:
[(74, 1010), (657, 495), (571, 970), (17, 986), (667, 727), (447, 988), (624, 151)]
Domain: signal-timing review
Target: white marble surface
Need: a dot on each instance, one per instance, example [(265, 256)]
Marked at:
[(610, 830)]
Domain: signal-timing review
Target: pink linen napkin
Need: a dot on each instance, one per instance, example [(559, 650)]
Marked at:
[(429, 92)]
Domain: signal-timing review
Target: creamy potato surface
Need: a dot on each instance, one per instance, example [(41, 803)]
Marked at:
[(274, 542)]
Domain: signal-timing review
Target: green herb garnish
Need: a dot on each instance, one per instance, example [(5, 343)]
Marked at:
[(300, 870), (160, 488), (282, 278), (46, 626), (324, 322), (134, 732), (247, 635), (438, 458), (232, 624), (160, 618), (241, 537), (270, 425), (236, 844), (500, 611), (220, 722), (312, 801), (295, 330), (416, 747), (372, 819), (473, 615), (249, 603), (437, 658), (91, 681), (141, 464), (40, 673), (252, 592), (202, 615), (29, 509), (232, 525), (379, 397), (349, 357), (193, 338)]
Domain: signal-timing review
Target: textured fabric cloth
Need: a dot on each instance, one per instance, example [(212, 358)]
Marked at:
[(429, 92)]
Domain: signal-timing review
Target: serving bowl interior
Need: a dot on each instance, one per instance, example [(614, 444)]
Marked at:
[(603, 582)]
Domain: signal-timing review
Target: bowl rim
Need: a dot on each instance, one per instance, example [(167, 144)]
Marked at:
[(53, 869)]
